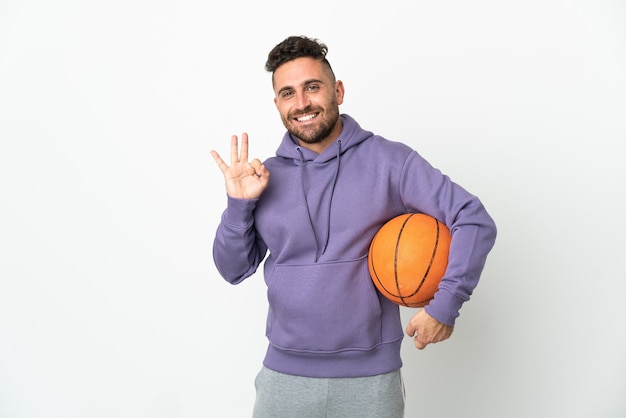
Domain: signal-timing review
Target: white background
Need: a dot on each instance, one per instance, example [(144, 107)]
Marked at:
[(110, 305)]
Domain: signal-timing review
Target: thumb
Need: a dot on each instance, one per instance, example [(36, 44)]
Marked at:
[(410, 330), (420, 342)]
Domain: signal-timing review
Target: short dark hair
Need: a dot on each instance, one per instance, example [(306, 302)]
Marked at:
[(296, 47)]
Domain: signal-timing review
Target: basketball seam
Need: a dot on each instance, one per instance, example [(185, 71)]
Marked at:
[(395, 260), (430, 263)]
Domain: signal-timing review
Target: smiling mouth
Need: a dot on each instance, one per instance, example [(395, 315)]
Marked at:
[(306, 118)]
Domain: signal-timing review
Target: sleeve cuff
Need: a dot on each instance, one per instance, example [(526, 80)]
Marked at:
[(239, 211), (444, 307)]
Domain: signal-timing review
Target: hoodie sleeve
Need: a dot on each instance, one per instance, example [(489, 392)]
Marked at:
[(425, 189), (237, 251)]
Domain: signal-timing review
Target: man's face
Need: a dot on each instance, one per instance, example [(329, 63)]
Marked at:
[(308, 101)]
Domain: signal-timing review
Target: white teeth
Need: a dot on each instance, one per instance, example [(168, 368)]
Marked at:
[(305, 118)]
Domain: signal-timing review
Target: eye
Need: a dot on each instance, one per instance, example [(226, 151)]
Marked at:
[(313, 87), (286, 94)]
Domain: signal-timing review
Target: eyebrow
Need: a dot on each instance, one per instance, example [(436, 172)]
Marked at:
[(306, 83)]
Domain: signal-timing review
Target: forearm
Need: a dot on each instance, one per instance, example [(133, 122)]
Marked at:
[(469, 248), (237, 252)]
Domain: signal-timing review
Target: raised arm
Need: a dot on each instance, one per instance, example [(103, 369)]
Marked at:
[(237, 251)]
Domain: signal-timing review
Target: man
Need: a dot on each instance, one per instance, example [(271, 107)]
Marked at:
[(334, 341)]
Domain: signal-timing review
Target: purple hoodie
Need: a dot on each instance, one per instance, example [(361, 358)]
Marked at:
[(316, 219)]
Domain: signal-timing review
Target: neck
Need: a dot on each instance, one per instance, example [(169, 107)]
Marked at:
[(320, 146)]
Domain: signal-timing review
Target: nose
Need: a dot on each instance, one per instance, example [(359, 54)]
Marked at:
[(303, 101)]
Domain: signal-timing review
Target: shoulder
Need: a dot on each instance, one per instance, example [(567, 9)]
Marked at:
[(384, 148)]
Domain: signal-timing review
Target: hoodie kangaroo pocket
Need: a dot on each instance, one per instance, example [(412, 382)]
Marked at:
[(323, 307)]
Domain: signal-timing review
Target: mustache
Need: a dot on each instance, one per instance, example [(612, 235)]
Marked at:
[(305, 111)]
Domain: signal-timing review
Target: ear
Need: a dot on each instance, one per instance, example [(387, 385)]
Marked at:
[(276, 102), (339, 91)]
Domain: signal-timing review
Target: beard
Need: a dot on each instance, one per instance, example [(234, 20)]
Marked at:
[(313, 134)]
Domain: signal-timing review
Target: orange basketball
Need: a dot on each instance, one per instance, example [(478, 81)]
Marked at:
[(408, 257)]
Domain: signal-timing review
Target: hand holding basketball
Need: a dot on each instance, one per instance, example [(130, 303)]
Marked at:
[(244, 180)]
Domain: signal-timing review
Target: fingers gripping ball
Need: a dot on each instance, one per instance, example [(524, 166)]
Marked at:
[(407, 258)]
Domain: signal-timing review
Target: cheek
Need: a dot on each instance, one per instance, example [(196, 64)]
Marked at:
[(281, 108), (284, 112)]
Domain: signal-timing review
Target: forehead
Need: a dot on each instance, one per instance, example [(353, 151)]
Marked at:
[(298, 71)]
